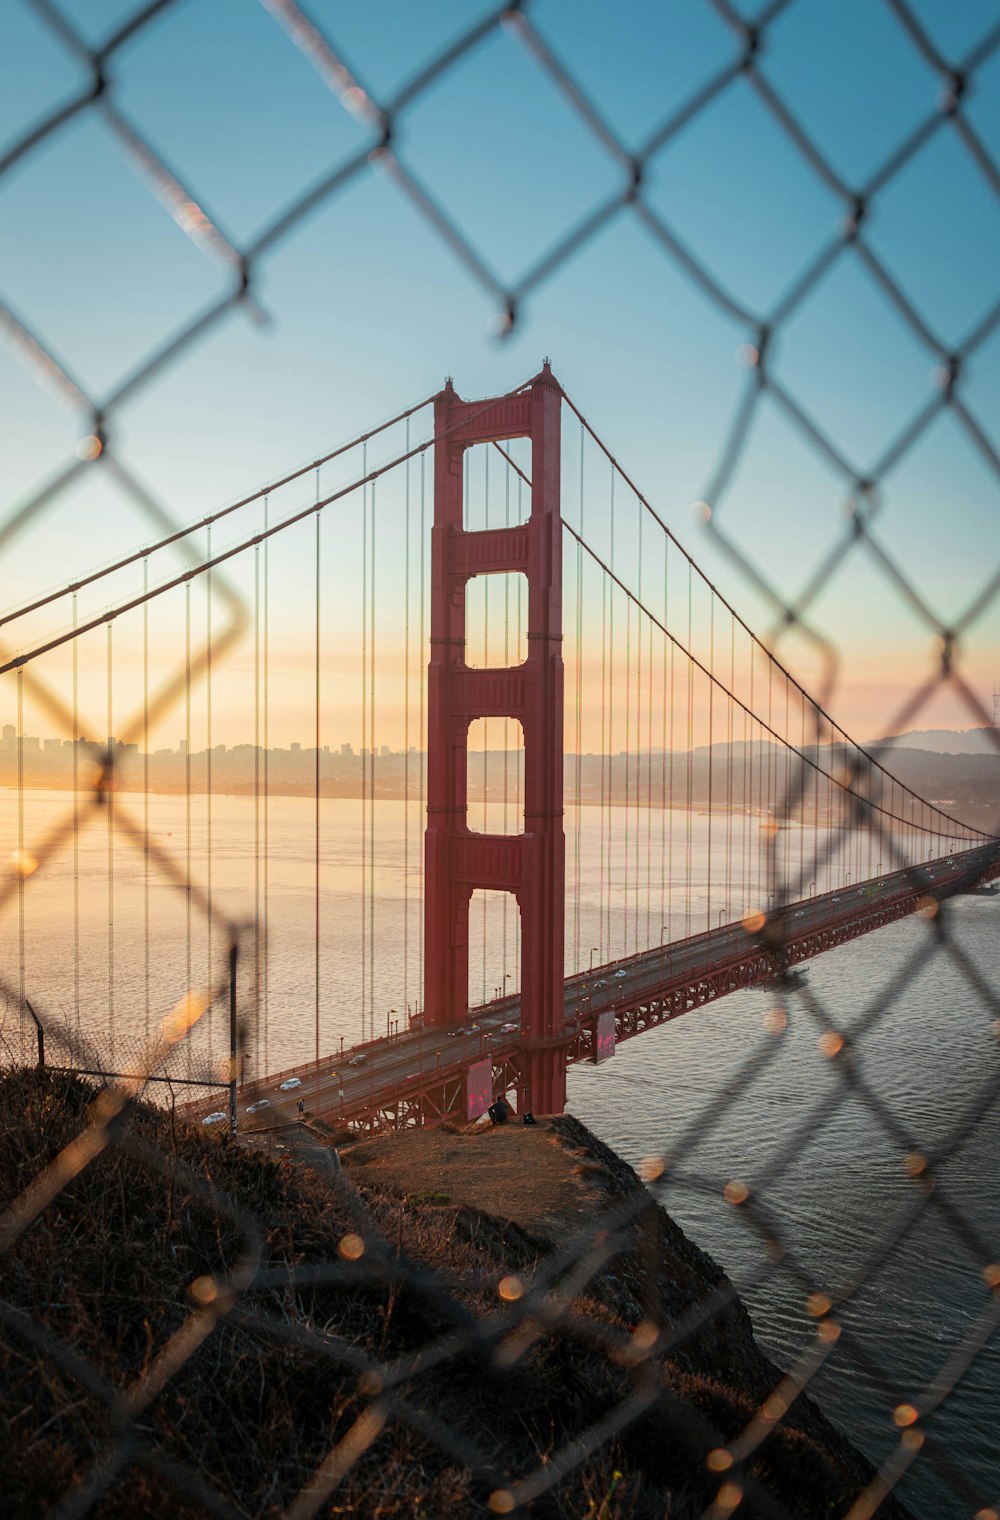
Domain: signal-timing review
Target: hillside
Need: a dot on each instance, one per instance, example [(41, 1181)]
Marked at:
[(394, 1314), (942, 741), (966, 785)]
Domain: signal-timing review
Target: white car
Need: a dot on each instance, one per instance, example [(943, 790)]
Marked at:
[(508, 1029), (621, 973), (217, 1118), (292, 1082), (255, 1108)]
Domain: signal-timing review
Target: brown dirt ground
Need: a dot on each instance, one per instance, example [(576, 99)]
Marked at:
[(517, 1172)]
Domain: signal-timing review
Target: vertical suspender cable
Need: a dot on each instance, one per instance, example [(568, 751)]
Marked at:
[(601, 941), (842, 864), (257, 968), (649, 791), (371, 781), (608, 948), (754, 901), (187, 800), (364, 742), (423, 678), (743, 903), (579, 721), (208, 774), (109, 802), (816, 801), (267, 790), (21, 858), (829, 790), (638, 734), (636, 793), (711, 758), (406, 729), (771, 783), (729, 771), (506, 732), (316, 814), (145, 790), (743, 896), (670, 801), (801, 855), (690, 770), (663, 741), (76, 840), (628, 765), (801, 796), (786, 860)]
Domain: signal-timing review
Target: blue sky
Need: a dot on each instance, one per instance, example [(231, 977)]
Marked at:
[(368, 309)]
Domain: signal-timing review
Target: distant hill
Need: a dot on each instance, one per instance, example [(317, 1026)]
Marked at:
[(944, 741)]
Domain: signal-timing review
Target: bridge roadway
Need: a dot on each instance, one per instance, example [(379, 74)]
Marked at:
[(419, 1075)]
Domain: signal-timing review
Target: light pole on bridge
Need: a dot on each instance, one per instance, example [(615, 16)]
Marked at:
[(593, 952)]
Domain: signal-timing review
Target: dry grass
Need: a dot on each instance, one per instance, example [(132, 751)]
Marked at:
[(95, 1288), (512, 1171)]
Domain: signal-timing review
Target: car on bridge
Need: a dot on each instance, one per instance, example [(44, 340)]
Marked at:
[(290, 1084), (620, 972), (358, 1060), (255, 1108), (508, 1029), (217, 1118)]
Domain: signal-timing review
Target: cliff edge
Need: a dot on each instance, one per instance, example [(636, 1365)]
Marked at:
[(450, 1325)]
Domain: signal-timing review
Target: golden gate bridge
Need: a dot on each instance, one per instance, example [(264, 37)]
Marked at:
[(666, 796)]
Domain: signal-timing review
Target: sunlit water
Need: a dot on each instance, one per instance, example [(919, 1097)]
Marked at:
[(826, 1162)]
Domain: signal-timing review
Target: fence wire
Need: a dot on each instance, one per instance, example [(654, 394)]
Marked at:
[(292, 1299)]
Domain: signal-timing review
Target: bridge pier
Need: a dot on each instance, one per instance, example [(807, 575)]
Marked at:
[(532, 865)]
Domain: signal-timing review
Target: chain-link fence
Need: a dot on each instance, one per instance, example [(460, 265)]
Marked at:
[(193, 1330)]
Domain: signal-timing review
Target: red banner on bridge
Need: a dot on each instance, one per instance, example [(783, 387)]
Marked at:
[(478, 1089), (604, 1037)]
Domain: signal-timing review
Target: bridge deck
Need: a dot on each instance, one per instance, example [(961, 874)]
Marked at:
[(419, 1076)]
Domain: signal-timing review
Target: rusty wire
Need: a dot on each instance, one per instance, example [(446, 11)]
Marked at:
[(553, 1299)]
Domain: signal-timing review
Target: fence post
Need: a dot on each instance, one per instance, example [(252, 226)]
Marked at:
[(40, 1033)]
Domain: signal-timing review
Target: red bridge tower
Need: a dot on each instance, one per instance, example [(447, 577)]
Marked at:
[(531, 865)]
